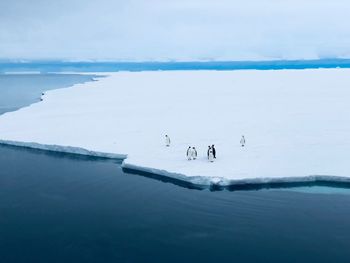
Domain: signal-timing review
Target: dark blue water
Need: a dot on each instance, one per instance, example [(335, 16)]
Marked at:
[(65, 208), (23, 89), (58, 66), (61, 208)]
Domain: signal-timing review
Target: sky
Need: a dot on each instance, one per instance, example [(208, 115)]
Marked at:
[(174, 30)]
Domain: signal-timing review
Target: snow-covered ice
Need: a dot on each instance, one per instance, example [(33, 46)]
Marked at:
[(296, 123)]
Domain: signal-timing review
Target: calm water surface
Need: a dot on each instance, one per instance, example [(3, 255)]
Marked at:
[(19, 90), (60, 66), (65, 208)]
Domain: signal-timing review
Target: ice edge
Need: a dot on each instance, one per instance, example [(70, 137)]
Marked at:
[(63, 149), (200, 181)]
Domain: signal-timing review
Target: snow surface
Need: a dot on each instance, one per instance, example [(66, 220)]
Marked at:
[(296, 123)]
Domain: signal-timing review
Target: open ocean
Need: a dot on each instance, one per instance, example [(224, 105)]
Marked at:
[(59, 66)]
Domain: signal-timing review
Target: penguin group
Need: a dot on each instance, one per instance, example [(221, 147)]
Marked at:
[(191, 152), (211, 153)]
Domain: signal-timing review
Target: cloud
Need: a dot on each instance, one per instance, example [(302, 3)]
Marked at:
[(174, 29)]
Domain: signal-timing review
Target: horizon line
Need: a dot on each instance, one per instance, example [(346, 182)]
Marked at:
[(28, 61)]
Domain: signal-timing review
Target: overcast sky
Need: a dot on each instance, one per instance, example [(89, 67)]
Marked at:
[(174, 29)]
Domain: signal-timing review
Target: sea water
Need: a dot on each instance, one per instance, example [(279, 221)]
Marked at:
[(19, 90), (112, 66), (66, 208)]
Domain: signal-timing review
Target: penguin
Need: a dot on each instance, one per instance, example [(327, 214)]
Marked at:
[(167, 141), (214, 151), (189, 153), (209, 148), (242, 141), (194, 153), (211, 156)]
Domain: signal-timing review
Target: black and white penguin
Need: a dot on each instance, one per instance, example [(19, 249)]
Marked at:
[(189, 153), (214, 151), (209, 148), (194, 153), (211, 156), (167, 140), (242, 141)]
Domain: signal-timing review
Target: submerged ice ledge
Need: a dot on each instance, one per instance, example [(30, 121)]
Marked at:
[(296, 124), (221, 181)]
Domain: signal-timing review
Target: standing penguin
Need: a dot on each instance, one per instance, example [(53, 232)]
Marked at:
[(194, 153), (211, 156), (242, 141), (189, 153), (167, 140), (214, 151)]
